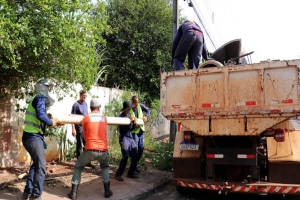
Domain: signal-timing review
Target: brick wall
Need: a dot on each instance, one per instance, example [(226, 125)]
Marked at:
[(8, 136)]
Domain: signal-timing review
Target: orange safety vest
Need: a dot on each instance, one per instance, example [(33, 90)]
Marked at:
[(94, 131)]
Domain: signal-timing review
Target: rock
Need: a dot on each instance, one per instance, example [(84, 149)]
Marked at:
[(52, 170), (21, 176)]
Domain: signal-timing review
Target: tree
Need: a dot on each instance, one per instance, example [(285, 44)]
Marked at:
[(49, 38), (139, 45)]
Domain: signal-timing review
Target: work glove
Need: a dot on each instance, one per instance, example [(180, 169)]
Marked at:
[(145, 119)]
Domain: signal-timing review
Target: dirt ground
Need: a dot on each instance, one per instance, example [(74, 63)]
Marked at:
[(57, 174), (58, 179)]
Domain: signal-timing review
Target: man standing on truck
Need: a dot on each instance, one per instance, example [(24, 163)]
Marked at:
[(80, 108), (138, 133), (189, 40)]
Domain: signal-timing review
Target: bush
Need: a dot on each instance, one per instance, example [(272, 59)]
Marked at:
[(163, 156), (115, 153), (160, 153)]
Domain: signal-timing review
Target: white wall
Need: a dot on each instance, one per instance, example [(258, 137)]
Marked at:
[(18, 154)]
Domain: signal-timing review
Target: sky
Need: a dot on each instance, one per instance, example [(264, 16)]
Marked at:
[(270, 28)]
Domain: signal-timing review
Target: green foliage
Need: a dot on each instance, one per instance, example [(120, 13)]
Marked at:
[(100, 58), (160, 153), (155, 107), (139, 44), (115, 153), (54, 39), (163, 156), (113, 108), (150, 143)]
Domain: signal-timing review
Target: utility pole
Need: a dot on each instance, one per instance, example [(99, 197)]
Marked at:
[(175, 17), (173, 125)]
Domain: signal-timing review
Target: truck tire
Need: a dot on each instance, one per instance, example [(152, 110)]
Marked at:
[(211, 63), (292, 197), (183, 190)]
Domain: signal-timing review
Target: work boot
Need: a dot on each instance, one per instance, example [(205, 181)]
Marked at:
[(25, 195), (107, 192), (72, 195), (138, 171), (134, 175), (35, 198), (119, 178)]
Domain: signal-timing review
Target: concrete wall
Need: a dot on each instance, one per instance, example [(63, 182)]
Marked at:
[(12, 152), (159, 127)]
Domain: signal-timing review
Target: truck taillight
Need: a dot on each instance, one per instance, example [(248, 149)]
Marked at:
[(279, 135), (246, 156), (187, 136), (179, 126)]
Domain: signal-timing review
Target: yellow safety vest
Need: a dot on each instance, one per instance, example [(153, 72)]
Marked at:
[(32, 124), (140, 116)]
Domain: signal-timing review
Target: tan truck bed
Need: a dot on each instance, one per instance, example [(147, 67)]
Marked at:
[(232, 100)]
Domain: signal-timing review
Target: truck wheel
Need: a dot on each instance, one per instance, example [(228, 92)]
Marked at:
[(184, 191), (211, 63), (292, 197)]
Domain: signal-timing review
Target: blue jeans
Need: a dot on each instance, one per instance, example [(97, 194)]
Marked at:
[(191, 44), (85, 158), (139, 140), (34, 145)]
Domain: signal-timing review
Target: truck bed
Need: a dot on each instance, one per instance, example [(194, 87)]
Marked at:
[(232, 100)]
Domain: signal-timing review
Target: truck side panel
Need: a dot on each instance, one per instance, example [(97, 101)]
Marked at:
[(238, 93)]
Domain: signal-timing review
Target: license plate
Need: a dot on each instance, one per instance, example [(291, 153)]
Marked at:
[(189, 146)]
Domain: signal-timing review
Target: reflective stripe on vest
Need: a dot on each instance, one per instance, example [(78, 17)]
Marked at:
[(32, 124), (140, 116)]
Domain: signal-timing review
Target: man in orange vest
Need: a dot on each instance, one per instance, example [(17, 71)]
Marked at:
[(95, 136)]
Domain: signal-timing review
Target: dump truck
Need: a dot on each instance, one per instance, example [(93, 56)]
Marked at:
[(238, 129)]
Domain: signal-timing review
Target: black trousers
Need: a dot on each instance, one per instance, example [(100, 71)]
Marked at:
[(191, 44), (80, 142)]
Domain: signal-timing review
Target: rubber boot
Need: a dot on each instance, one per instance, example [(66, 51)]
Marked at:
[(73, 192), (107, 192)]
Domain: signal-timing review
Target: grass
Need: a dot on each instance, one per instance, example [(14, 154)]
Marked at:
[(159, 153)]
